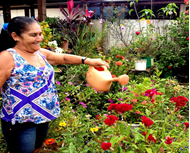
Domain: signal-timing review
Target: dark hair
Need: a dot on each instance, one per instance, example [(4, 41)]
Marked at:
[(18, 25)]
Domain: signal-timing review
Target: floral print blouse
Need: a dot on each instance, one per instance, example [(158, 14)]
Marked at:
[(30, 94)]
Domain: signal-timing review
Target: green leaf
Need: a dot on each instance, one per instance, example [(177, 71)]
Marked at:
[(121, 128), (130, 152), (119, 149), (72, 148), (130, 11), (148, 112), (128, 130), (131, 3), (113, 140), (109, 133), (149, 150), (163, 133)]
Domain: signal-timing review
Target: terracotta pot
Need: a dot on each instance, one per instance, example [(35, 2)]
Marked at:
[(65, 45)]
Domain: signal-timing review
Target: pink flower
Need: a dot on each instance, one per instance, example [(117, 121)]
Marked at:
[(138, 112), (70, 83), (84, 105), (67, 98), (177, 125), (91, 23), (58, 82), (101, 21), (134, 100), (122, 27), (137, 33), (144, 102)]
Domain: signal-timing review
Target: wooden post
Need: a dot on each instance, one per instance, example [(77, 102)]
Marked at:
[(85, 7), (41, 10), (32, 12), (26, 11), (6, 12), (182, 8)]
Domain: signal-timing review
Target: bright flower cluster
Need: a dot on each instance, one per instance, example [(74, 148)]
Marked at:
[(146, 121), (179, 101), (110, 120), (120, 108), (105, 146)]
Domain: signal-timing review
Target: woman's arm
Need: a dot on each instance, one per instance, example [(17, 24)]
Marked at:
[(6, 66), (55, 58)]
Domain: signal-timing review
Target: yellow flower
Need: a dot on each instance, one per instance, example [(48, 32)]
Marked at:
[(142, 19), (148, 21), (58, 129), (62, 124), (87, 116), (93, 129)]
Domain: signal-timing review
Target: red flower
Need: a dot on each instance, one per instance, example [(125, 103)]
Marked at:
[(49, 141), (187, 38), (117, 56), (151, 38), (112, 107), (110, 120), (147, 122), (150, 93), (114, 76), (179, 101), (141, 49), (118, 63), (105, 146), (144, 133), (186, 2), (107, 61), (137, 33), (121, 108), (168, 140), (122, 57), (98, 117), (169, 67), (151, 138), (186, 124)]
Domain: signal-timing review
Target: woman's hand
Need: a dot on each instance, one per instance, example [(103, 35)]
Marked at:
[(96, 62)]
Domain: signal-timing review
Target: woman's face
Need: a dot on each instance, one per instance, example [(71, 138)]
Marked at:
[(30, 39)]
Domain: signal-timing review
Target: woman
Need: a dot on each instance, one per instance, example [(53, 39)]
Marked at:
[(29, 96)]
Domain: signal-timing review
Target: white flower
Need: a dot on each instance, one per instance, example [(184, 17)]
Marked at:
[(170, 12), (90, 11), (58, 50), (84, 19), (52, 44), (91, 23)]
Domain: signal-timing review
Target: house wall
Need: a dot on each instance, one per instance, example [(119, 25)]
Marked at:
[(110, 41)]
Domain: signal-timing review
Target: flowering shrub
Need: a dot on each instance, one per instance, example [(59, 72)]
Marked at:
[(46, 32)]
